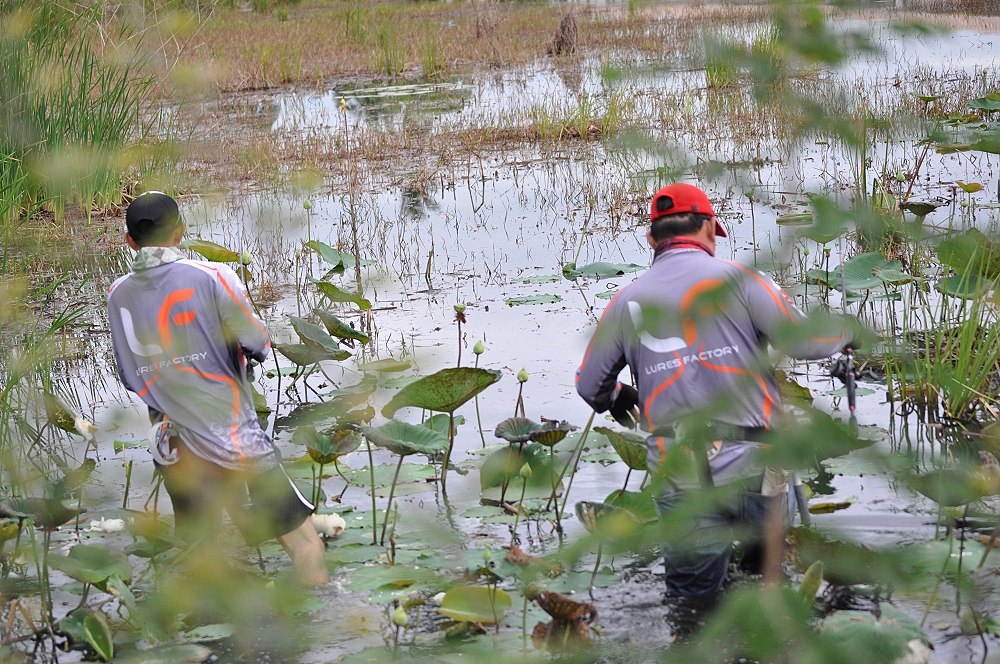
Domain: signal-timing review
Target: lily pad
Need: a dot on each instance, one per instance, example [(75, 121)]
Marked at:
[(208, 633), (505, 464), (325, 448), (338, 260), (90, 626), (404, 439), (794, 219), (387, 365), (211, 251), (861, 273), (871, 639), (544, 298), (443, 391), (989, 103), (600, 269), (971, 253), (339, 328), (299, 354), (538, 279), (631, 448), (966, 287), (93, 563), (335, 294), (317, 340), (480, 604), (516, 429)]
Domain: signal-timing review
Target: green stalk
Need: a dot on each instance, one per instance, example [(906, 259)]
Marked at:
[(447, 454), (388, 506), (576, 451), (371, 474)]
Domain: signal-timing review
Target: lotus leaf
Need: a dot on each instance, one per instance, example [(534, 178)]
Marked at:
[(440, 423), (93, 563), (90, 626), (871, 639), (516, 429), (862, 272), (608, 523), (969, 187), (966, 287), (544, 298), (211, 251), (920, 208), (187, 653), (206, 633), (335, 294), (631, 448), (74, 479), (339, 328), (481, 604), (443, 391), (814, 436), (299, 354), (603, 270), (403, 438), (794, 219), (638, 503), (58, 413), (552, 433), (324, 448), (338, 260), (989, 103), (504, 464), (315, 413), (317, 340), (387, 365), (971, 253), (606, 295), (47, 513)]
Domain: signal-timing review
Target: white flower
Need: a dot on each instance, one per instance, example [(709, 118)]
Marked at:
[(107, 526), (328, 525), (85, 427), (438, 599)]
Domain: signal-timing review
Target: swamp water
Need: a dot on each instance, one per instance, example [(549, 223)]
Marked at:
[(493, 232)]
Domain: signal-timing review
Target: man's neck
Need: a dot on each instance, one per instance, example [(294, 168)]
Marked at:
[(683, 242)]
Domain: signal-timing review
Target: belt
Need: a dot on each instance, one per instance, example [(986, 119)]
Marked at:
[(718, 431)]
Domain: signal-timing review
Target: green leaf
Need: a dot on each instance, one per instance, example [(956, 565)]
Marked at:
[(971, 253), (969, 187), (503, 466), (532, 299), (337, 260), (185, 653), (325, 448), (481, 604), (339, 328), (388, 365), (93, 563), (602, 270), (404, 439), (862, 637), (551, 433), (317, 340), (334, 294), (794, 219), (320, 413), (538, 279), (637, 503), (967, 286), (516, 429), (608, 523), (631, 448), (443, 391), (861, 273), (988, 103), (206, 633), (607, 295), (299, 354), (211, 251), (440, 423), (98, 634)]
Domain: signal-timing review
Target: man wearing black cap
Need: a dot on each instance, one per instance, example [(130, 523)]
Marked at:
[(694, 331), (182, 332)]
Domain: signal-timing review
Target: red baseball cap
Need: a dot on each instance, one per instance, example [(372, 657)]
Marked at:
[(679, 198)]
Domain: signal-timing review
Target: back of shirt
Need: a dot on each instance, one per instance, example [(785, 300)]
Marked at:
[(181, 331), (694, 330)]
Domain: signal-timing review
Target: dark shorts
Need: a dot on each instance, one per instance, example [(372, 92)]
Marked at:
[(262, 504)]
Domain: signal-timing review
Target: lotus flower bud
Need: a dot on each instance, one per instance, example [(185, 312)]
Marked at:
[(399, 617), (522, 375), (459, 308), (901, 177), (525, 472), (479, 348), (307, 204), (246, 258), (826, 251)]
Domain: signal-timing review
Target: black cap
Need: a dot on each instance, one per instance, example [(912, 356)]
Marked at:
[(152, 217)]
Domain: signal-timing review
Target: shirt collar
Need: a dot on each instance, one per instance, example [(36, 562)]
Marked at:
[(150, 257)]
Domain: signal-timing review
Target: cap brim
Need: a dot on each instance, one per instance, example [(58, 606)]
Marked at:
[(720, 231)]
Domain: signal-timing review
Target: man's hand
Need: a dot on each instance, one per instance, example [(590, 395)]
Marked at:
[(625, 406)]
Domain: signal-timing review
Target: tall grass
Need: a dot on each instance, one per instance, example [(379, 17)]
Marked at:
[(66, 109)]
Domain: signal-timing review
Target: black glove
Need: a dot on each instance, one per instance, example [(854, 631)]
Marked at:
[(627, 399), (838, 369)]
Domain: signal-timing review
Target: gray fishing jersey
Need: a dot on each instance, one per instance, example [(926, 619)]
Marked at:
[(182, 330), (695, 331)]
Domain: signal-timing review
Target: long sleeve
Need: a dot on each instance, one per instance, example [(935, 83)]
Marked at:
[(238, 316), (597, 377), (808, 337)]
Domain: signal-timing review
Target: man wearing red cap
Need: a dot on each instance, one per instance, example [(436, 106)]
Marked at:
[(694, 331)]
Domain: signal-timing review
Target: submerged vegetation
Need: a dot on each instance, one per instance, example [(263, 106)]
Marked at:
[(513, 182)]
